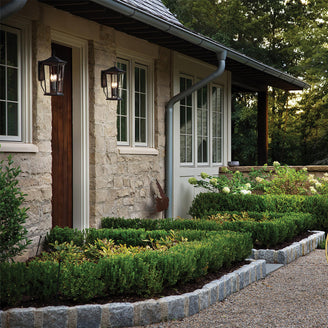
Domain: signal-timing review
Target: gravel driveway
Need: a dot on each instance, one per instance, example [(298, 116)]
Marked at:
[(293, 296)]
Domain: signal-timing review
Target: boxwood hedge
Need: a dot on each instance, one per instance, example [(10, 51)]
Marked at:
[(144, 273), (206, 204), (277, 228)]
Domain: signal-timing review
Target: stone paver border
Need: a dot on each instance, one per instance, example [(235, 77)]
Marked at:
[(292, 252), (177, 307)]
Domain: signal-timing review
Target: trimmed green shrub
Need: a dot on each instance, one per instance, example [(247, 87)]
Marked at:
[(13, 235), (206, 204), (143, 273), (276, 228), (64, 234), (13, 283)]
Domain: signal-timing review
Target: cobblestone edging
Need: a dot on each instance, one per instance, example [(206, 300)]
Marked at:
[(292, 252), (116, 315), (138, 313)]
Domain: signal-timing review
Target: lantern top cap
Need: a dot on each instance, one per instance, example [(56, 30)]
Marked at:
[(53, 60), (113, 70)]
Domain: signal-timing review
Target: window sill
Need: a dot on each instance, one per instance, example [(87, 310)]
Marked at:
[(18, 147), (137, 151)]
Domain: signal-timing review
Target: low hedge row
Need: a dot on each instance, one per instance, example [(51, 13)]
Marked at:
[(277, 228), (206, 204), (129, 236), (145, 273)]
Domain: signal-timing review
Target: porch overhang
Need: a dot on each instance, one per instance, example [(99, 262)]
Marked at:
[(247, 74)]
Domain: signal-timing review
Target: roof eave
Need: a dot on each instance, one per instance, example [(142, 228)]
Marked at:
[(199, 40)]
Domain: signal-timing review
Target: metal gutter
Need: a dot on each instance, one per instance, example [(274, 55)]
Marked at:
[(169, 125), (10, 8), (197, 39)]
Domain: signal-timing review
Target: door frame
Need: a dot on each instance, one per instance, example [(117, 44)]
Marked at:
[(80, 121)]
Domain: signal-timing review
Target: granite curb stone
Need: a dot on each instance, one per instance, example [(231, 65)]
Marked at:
[(292, 252)]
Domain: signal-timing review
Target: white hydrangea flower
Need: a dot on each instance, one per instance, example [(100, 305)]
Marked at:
[(213, 182), (245, 192), (318, 185), (313, 190), (226, 190), (204, 175), (247, 185), (259, 179)]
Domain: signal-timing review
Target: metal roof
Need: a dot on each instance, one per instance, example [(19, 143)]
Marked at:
[(152, 21)]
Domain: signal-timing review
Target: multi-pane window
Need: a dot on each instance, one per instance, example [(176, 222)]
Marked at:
[(140, 104), (186, 123), (10, 69), (133, 119), (217, 113), (122, 107), (201, 125)]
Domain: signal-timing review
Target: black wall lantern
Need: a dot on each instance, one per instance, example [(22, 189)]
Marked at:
[(51, 76), (111, 82)]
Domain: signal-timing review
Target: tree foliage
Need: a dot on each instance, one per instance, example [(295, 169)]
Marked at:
[(290, 35)]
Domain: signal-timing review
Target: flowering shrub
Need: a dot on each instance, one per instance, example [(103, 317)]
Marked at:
[(282, 180), (238, 183)]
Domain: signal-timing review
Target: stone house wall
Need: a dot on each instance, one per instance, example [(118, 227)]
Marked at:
[(120, 184)]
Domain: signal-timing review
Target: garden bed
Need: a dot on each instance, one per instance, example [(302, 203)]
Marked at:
[(127, 314), (69, 275)]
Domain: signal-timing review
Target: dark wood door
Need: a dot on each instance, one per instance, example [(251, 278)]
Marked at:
[(62, 147)]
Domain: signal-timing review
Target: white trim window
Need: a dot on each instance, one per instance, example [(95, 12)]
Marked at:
[(186, 123), (10, 84), (135, 110), (16, 86), (201, 125), (217, 96)]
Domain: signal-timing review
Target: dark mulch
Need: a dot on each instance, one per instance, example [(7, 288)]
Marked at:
[(287, 243), (177, 290)]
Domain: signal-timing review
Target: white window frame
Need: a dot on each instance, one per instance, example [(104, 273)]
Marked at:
[(24, 142), (193, 121), (17, 137), (131, 146), (210, 163), (216, 85), (209, 112)]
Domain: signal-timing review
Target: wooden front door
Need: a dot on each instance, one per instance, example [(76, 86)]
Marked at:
[(62, 146)]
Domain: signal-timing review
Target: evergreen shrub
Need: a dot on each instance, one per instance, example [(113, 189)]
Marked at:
[(266, 229), (206, 204), (13, 215), (144, 273)]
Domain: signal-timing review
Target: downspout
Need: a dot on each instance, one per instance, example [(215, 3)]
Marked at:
[(11, 7), (169, 125)]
